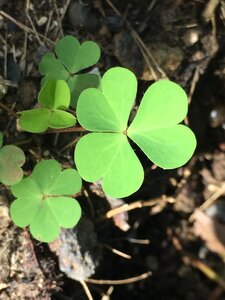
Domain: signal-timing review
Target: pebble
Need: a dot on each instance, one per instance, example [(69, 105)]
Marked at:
[(114, 23), (27, 91), (191, 37), (169, 58), (78, 251), (217, 116), (80, 15)]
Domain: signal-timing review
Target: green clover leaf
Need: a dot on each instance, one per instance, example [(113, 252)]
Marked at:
[(54, 98), (11, 160), (107, 154), (72, 57), (43, 200)]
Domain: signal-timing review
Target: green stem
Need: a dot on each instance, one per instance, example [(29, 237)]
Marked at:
[(71, 129)]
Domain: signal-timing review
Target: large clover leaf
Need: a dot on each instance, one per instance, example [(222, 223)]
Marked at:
[(54, 98), (43, 200), (107, 154), (70, 58), (11, 160)]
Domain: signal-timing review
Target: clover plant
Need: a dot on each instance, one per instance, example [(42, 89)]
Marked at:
[(71, 57), (11, 160), (54, 98), (107, 154), (44, 201)]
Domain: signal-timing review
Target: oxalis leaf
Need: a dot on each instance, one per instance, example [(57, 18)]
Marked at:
[(72, 57), (11, 160), (43, 200), (54, 98), (107, 154)]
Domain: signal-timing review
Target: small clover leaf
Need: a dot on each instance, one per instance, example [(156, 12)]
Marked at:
[(72, 57), (54, 98), (11, 160), (43, 200), (107, 154)]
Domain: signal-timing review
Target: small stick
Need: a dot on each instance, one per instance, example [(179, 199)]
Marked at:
[(192, 89), (58, 18), (139, 241), (86, 194), (24, 56), (5, 54), (121, 281), (69, 145), (193, 84), (220, 191), (210, 10), (137, 204), (9, 110), (86, 289), (149, 64), (24, 142), (65, 9), (32, 24), (8, 82), (140, 44), (213, 197), (206, 270), (48, 22), (117, 252)]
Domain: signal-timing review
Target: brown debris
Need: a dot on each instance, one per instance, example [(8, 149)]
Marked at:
[(211, 231)]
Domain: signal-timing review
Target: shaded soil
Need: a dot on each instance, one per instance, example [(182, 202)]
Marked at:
[(187, 44)]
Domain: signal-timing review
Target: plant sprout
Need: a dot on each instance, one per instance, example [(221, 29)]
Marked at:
[(54, 98), (69, 59)]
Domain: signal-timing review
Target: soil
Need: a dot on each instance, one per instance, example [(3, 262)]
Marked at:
[(170, 236)]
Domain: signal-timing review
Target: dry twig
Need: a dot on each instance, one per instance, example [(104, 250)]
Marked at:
[(24, 27), (86, 290), (137, 204), (117, 252), (121, 281), (210, 10), (148, 57)]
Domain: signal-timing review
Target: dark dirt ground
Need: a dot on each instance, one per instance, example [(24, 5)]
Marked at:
[(171, 234)]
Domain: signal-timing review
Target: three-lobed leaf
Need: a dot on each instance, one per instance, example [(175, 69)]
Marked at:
[(11, 160), (54, 98), (107, 154), (71, 58), (44, 200)]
